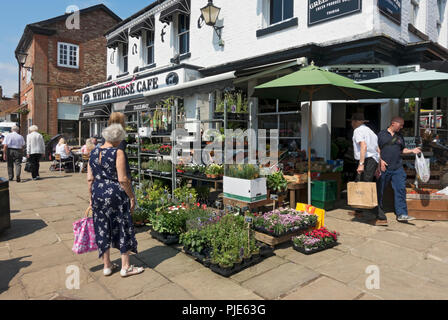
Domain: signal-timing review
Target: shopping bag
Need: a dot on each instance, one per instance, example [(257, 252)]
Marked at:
[(28, 166), (84, 236), (362, 195), (422, 167)]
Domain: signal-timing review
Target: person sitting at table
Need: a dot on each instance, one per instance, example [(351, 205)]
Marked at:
[(88, 147), (64, 151)]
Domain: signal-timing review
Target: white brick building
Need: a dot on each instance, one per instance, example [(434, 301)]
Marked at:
[(261, 39)]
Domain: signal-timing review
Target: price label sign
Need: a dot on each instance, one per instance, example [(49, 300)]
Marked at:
[(274, 197), (248, 219)]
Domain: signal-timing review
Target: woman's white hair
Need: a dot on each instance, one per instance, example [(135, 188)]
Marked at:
[(33, 128), (114, 133)]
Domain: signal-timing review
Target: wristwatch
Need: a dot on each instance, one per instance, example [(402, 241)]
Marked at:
[(361, 163)]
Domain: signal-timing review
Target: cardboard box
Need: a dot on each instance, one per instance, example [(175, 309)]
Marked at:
[(245, 190)]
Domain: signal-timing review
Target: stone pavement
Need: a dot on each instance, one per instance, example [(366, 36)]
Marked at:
[(412, 259)]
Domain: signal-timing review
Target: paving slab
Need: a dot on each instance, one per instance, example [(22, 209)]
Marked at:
[(439, 252), (265, 265), (51, 279), (37, 239), (88, 291), (314, 260), (177, 265), (404, 239), (44, 257), (435, 232), (350, 227), (13, 293), (394, 284), (383, 253), (204, 284), (280, 281), (170, 291), (348, 241), (126, 288), (324, 288), (346, 268), (432, 270)]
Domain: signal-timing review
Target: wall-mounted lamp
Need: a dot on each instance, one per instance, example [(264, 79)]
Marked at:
[(209, 15), (21, 58)]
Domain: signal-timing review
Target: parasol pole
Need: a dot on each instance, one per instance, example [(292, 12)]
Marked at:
[(310, 124)]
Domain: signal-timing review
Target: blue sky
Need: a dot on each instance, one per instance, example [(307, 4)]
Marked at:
[(16, 14)]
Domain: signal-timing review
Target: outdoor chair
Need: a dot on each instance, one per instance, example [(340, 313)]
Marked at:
[(64, 161)]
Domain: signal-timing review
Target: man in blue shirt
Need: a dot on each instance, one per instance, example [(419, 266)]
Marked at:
[(13, 152), (391, 145)]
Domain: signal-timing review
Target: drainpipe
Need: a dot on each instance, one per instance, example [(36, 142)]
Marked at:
[(18, 97)]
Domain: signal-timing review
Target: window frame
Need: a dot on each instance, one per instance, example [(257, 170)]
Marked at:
[(146, 48), (67, 58), (184, 33), (414, 12), (124, 65), (269, 10)]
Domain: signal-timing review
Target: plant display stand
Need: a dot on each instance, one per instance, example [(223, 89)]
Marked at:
[(304, 251), (272, 241), (265, 252), (165, 238)]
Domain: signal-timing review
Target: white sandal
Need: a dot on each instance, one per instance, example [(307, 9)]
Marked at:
[(108, 271), (131, 271)]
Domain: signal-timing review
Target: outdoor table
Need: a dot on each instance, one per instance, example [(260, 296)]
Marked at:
[(297, 192)]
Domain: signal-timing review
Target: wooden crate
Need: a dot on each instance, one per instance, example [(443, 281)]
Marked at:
[(273, 241), (428, 209)]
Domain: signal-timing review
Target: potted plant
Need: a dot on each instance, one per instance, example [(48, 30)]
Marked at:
[(315, 241), (165, 150), (276, 183), (243, 183), (213, 171)]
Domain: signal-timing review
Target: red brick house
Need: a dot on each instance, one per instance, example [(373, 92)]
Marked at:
[(56, 61)]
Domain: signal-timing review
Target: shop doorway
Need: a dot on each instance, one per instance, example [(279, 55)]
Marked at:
[(342, 131)]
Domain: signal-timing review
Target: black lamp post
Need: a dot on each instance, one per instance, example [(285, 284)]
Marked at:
[(209, 14)]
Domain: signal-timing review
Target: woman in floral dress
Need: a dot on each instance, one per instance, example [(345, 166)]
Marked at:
[(112, 201)]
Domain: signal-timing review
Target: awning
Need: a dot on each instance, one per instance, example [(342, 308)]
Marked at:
[(266, 70), (204, 85), (183, 6), (116, 40), (101, 111), (136, 105), (147, 24)]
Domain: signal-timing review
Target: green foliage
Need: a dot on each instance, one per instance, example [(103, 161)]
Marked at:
[(161, 166), (195, 240), (46, 137), (243, 171), (277, 182), (215, 169), (186, 195)]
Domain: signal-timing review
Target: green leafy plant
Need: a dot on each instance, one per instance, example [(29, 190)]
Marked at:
[(186, 195), (215, 169), (276, 182), (243, 171)]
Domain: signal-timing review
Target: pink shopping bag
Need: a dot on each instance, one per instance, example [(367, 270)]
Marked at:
[(84, 236)]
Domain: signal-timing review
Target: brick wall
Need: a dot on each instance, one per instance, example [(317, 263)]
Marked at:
[(50, 81)]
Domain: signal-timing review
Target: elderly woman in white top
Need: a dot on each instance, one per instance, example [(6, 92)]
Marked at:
[(63, 150), (35, 148)]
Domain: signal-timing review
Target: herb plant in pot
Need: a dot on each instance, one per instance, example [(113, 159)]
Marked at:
[(276, 183)]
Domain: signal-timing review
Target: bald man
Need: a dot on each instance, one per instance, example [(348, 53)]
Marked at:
[(391, 145)]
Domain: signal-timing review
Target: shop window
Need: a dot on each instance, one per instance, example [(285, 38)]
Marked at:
[(70, 130), (183, 33), (280, 10), (149, 47), (68, 55), (285, 117)]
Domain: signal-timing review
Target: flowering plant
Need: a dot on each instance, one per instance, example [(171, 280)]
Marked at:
[(316, 239), (281, 221), (165, 150)]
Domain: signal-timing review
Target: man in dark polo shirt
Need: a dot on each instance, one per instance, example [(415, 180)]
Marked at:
[(391, 145)]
